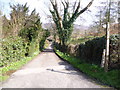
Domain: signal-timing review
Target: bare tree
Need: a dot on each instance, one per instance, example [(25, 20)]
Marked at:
[(64, 23)]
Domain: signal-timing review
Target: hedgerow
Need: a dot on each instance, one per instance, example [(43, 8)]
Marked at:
[(12, 49), (92, 50)]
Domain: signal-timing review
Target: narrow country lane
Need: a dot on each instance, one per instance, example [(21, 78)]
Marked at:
[(48, 71)]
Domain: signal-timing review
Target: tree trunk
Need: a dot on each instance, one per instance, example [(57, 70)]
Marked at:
[(66, 21)]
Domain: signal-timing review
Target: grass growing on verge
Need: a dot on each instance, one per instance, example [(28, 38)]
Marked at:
[(109, 78), (5, 72)]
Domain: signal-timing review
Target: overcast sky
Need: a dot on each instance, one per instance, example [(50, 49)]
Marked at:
[(41, 7)]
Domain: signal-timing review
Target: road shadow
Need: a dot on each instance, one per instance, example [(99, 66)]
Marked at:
[(73, 71), (70, 73), (67, 67)]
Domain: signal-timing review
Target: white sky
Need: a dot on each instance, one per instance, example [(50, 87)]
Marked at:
[(41, 7)]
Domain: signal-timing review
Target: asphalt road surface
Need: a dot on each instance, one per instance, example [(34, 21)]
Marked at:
[(49, 71)]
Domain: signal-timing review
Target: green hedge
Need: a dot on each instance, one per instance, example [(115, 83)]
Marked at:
[(92, 50), (43, 39), (12, 49), (15, 48)]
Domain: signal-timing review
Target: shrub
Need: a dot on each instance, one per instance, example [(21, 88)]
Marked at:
[(43, 39), (92, 50), (12, 49)]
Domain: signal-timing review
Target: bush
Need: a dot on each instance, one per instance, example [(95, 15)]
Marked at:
[(115, 51), (33, 47), (12, 49), (43, 39), (92, 50)]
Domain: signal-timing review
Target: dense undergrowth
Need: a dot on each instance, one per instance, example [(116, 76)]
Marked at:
[(110, 78), (6, 71), (12, 50)]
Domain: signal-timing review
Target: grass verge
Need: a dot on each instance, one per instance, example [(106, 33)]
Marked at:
[(110, 78), (5, 72)]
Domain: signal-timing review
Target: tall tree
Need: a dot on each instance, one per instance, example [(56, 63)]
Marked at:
[(18, 16), (32, 27), (64, 24)]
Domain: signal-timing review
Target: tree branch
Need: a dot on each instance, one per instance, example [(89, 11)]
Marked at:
[(55, 8), (58, 17), (74, 6), (65, 10), (84, 9), (77, 13)]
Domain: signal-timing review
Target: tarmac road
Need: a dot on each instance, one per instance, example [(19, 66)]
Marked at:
[(47, 70)]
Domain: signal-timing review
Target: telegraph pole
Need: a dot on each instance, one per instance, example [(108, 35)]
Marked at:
[(107, 36)]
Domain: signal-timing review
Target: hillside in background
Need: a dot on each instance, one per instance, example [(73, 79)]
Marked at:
[(81, 31)]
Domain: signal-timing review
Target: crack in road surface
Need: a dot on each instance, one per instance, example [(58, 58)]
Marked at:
[(49, 71)]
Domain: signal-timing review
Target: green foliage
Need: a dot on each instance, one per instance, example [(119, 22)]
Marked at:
[(3, 78), (32, 32), (42, 41), (29, 34), (14, 66), (21, 34), (32, 29), (64, 32), (33, 47), (110, 78), (41, 44), (114, 49), (12, 50), (91, 49)]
